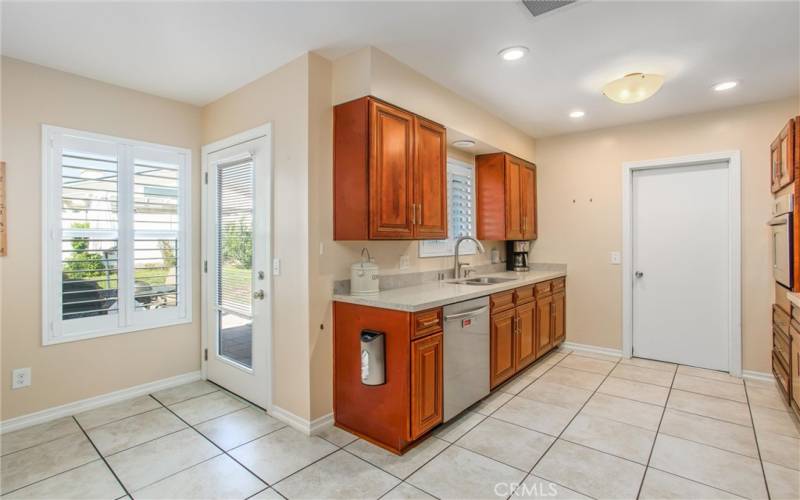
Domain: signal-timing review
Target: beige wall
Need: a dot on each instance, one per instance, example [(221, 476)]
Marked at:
[(586, 168), (31, 96)]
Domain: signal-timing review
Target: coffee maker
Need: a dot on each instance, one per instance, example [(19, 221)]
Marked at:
[(517, 255)]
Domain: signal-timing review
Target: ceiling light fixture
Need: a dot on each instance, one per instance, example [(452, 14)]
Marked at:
[(725, 86), (634, 87), (513, 53), (577, 114), (464, 143)]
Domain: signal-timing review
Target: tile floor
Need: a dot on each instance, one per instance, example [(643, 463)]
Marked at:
[(574, 425)]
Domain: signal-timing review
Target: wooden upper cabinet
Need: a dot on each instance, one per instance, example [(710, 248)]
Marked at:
[(426, 384), (389, 173), (506, 197), (782, 157)]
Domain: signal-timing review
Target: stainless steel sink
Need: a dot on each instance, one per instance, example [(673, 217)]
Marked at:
[(483, 281)]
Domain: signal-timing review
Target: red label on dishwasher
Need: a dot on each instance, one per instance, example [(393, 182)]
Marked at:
[(465, 323)]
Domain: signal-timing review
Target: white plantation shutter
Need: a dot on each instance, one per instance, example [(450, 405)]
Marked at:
[(460, 212), (116, 230)]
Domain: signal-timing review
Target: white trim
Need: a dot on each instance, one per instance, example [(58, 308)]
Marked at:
[(301, 424), (753, 375), (424, 251), (608, 351), (733, 159), (69, 409)]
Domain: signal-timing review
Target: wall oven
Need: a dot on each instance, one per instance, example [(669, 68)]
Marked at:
[(782, 241)]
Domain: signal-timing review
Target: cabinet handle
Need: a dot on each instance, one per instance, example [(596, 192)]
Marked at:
[(426, 324), (413, 214), (419, 207)]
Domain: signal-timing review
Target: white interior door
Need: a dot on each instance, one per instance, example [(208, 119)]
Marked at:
[(681, 252), (238, 288)]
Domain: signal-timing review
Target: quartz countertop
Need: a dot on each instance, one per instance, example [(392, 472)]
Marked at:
[(794, 298), (440, 293)]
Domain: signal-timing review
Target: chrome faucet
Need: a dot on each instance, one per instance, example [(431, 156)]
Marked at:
[(457, 265)]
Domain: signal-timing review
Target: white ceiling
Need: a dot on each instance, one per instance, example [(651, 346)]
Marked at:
[(196, 52)]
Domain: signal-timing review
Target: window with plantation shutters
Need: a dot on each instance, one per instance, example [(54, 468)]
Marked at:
[(116, 228), (460, 211)]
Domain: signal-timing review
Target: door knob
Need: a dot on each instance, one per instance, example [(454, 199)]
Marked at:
[(259, 295), (639, 274)]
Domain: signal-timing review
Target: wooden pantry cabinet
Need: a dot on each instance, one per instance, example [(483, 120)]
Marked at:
[(506, 197), (782, 157), (389, 173)]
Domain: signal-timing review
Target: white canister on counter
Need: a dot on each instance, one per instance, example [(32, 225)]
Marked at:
[(364, 276)]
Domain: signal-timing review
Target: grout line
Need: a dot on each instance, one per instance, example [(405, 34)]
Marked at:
[(758, 448), (655, 438), (113, 472), (687, 412), (184, 400), (39, 444), (5, 493), (697, 482), (707, 379)]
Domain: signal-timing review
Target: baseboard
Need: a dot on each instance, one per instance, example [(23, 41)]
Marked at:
[(592, 348), (301, 424), (764, 376), (69, 409)]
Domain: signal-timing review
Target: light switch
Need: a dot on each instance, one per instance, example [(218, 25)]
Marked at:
[(616, 258)]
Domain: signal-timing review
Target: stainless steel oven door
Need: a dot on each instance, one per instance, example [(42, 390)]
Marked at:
[(782, 249)]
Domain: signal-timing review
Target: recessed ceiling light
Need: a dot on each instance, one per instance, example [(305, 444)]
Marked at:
[(463, 143), (725, 86), (632, 88), (577, 114), (513, 53)]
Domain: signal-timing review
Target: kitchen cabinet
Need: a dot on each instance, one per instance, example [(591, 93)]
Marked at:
[(525, 345), (501, 348), (389, 173), (544, 319), (782, 152), (506, 197), (559, 313), (794, 378), (426, 384)]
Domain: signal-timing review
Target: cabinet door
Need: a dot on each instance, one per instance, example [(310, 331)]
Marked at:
[(501, 356), (391, 172), (544, 323), (559, 317), (426, 384), (430, 180), (794, 366), (782, 157), (513, 202), (527, 186), (525, 348)]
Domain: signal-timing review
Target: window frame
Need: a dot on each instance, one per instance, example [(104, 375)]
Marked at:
[(127, 319), (467, 248)]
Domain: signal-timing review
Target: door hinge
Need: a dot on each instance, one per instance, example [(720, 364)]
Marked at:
[(206, 178), (205, 355), (205, 266)]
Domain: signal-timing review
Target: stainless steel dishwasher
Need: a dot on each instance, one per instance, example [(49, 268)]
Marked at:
[(466, 355)]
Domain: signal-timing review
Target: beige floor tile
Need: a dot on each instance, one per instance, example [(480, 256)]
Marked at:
[(660, 485), (454, 429), (638, 391), (183, 392), (710, 431), (579, 362), (42, 461), (769, 397), (398, 465), (722, 409), (784, 484), (779, 449), (268, 494), (117, 411), (624, 410), (337, 436), (610, 436), (711, 466), (90, 481), (536, 487), (129, 432), (709, 387), (37, 434), (239, 427), (508, 443), (281, 453), (590, 472), (649, 363), (518, 383), (551, 358), (405, 491), (203, 408), (220, 477), (709, 374), (640, 374), (337, 476), (775, 421), (150, 462), (461, 474), (535, 415), (491, 403), (573, 378), (556, 394), (597, 355)]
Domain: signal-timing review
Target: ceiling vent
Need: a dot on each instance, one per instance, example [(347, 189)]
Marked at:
[(539, 7)]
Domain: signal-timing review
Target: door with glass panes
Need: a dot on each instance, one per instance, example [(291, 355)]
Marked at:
[(236, 258)]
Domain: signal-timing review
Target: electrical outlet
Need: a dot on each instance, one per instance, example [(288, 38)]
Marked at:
[(276, 266), (404, 263), (616, 258), (21, 377)]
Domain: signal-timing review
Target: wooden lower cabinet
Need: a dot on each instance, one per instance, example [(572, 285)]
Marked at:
[(501, 348), (794, 377), (426, 384), (559, 316), (544, 322), (525, 347)]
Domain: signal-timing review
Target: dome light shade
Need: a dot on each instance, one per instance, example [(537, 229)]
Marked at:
[(464, 143), (632, 88)]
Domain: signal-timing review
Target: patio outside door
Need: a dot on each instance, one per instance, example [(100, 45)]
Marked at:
[(237, 256)]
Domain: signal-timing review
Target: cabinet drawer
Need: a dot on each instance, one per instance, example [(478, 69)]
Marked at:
[(780, 318), (559, 284), (781, 375), (426, 322), (780, 346), (502, 301), (543, 289), (523, 295)]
